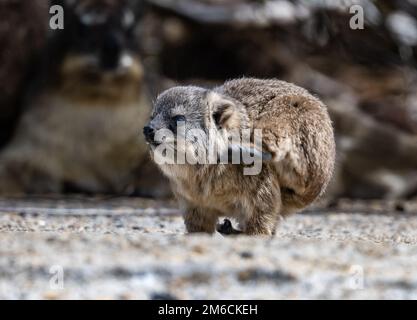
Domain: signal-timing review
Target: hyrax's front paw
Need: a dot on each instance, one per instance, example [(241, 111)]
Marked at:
[(226, 228)]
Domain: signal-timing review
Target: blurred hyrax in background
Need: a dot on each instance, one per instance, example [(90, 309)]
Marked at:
[(78, 130)]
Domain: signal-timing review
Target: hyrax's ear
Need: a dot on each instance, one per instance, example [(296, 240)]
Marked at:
[(66, 4), (224, 111), (63, 3)]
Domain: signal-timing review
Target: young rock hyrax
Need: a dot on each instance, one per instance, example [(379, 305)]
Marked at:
[(297, 151)]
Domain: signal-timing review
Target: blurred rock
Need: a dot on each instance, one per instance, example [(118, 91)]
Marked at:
[(23, 31)]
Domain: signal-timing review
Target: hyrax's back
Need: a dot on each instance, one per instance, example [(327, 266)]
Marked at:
[(296, 129)]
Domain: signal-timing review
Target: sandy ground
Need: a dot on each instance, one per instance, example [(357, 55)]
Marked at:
[(132, 248)]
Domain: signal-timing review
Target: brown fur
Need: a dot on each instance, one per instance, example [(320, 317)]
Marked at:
[(102, 90), (63, 141), (297, 131)]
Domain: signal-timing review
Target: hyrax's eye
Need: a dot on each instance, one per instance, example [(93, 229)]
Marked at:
[(175, 120), (178, 118)]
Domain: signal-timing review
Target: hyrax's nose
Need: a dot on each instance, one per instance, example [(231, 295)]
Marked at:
[(110, 52), (149, 133)]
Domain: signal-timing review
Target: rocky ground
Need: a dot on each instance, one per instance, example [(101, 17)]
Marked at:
[(110, 248)]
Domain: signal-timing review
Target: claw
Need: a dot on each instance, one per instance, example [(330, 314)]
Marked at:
[(226, 228)]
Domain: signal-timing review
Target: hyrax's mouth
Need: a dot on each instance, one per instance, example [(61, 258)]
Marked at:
[(165, 143), (88, 69)]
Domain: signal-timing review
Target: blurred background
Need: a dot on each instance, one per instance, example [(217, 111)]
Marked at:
[(73, 102)]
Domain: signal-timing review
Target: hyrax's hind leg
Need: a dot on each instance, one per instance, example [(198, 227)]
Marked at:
[(261, 223), (261, 218), (200, 220)]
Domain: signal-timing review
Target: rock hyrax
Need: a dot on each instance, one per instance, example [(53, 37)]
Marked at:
[(297, 148), (78, 130)]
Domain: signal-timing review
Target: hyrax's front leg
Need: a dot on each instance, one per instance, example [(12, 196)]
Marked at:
[(200, 220), (19, 177)]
